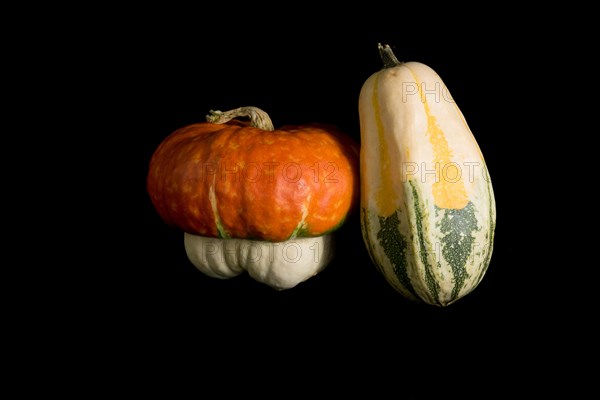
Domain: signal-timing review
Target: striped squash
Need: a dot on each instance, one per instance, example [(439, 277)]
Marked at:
[(427, 204)]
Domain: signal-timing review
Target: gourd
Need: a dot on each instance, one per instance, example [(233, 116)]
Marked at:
[(427, 206), (251, 198)]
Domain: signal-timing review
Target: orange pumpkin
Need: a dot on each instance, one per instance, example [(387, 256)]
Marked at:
[(229, 178)]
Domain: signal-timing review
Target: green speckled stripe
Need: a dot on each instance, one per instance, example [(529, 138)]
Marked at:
[(457, 228), (489, 245), (395, 248), (432, 286), (366, 231)]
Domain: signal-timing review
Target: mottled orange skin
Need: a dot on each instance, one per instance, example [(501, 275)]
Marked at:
[(263, 183)]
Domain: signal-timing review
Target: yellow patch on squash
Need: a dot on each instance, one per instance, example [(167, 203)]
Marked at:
[(447, 193)]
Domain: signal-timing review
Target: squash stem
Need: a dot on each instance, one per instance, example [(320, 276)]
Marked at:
[(387, 56), (258, 118)]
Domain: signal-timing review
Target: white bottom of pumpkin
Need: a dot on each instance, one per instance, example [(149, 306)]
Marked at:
[(281, 265)]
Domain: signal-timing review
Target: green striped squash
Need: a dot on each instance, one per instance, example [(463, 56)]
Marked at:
[(428, 211)]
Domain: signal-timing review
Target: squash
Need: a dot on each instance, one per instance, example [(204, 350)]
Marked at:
[(427, 206), (251, 198), (281, 265)]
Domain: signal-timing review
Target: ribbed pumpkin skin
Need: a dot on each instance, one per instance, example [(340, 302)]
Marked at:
[(233, 180), (428, 211), (280, 265)]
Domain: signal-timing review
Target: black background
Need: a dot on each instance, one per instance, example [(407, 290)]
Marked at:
[(141, 74)]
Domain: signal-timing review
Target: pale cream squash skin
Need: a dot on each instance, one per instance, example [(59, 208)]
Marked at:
[(421, 164), (280, 265)]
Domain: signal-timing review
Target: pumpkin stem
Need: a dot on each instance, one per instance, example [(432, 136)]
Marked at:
[(387, 56), (258, 118)]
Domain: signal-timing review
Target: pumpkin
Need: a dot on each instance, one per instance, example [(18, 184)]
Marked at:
[(249, 197), (427, 206)]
